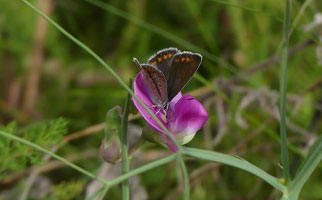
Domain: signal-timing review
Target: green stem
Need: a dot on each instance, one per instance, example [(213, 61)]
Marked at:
[(96, 194), (39, 148), (186, 185), (144, 168), (123, 136), (237, 162), (283, 75), (306, 169), (105, 189), (101, 61)]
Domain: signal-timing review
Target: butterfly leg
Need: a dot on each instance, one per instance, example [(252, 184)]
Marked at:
[(153, 106), (158, 111)]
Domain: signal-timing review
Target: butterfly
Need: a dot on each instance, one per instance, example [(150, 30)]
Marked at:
[(167, 72)]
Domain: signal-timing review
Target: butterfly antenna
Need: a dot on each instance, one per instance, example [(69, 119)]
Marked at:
[(137, 62)]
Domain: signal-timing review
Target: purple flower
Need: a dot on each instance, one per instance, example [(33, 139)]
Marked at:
[(183, 119)]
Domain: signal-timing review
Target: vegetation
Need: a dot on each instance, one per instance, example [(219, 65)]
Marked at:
[(66, 64)]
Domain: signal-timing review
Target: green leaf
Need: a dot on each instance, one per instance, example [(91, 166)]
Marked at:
[(235, 162), (14, 156), (67, 190), (41, 149), (306, 169)]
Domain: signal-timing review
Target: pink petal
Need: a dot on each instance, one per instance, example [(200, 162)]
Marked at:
[(141, 92), (184, 117), (190, 116)]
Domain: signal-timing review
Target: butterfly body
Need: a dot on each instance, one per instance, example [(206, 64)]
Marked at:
[(167, 72)]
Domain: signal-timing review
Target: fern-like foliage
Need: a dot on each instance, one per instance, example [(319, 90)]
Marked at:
[(66, 190), (16, 157)]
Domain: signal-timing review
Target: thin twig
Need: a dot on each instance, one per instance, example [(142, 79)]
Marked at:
[(317, 84), (222, 120), (267, 63), (92, 129)]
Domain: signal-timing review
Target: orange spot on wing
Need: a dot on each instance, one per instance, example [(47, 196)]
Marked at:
[(170, 55), (188, 59), (176, 60), (150, 70), (183, 59), (165, 57), (154, 63), (159, 59)]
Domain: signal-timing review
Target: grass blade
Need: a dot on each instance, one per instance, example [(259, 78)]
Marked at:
[(235, 162), (186, 184), (144, 168), (306, 169), (104, 192), (283, 75)]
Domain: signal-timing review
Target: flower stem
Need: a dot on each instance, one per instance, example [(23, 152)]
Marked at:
[(105, 189), (283, 75), (143, 168), (123, 137), (186, 185)]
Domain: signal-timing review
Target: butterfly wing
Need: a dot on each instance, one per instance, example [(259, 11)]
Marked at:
[(183, 66), (156, 84), (162, 60)]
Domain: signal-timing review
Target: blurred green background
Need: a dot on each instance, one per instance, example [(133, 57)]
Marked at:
[(51, 88)]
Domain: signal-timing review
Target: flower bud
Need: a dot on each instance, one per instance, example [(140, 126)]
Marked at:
[(110, 148)]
